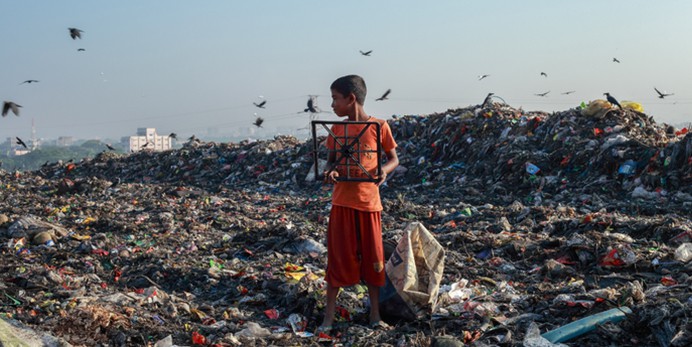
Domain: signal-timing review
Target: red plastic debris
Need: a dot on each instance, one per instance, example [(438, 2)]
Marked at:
[(198, 339), (100, 251), (668, 281), (612, 259), (343, 313), (587, 219), (565, 160), (272, 313), (565, 260)]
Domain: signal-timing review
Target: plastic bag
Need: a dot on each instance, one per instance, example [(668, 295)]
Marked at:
[(632, 105), (413, 275)]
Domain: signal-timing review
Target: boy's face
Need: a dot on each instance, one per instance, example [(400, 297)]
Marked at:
[(342, 105)]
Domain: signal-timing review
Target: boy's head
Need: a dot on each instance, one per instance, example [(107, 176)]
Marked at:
[(351, 84)]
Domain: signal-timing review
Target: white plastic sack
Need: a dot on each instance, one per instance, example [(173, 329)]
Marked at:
[(414, 272)]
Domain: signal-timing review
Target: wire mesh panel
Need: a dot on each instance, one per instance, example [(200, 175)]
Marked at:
[(350, 149)]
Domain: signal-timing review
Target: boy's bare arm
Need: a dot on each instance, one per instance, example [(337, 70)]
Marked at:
[(330, 174), (389, 166)]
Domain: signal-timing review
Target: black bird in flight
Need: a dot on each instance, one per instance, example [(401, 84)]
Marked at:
[(174, 136), (568, 92), (615, 60), (612, 100), (261, 104), (29, 81), (312, 108), (110, 148), (662, 95), (480, 77), (75, 33), (20, 142), (258, 122), (544, 74), (542, 94), (81, 49), (367, 54), (384, 96), (9, 105)]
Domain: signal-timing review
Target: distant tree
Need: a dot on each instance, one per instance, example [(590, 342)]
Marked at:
[(34, 159), (93, 144)]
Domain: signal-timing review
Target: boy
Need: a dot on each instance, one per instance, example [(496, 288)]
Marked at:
[(354, 234)]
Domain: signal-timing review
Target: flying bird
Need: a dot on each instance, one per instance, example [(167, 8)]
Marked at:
[(258, 122), (384, 96), (75, 33), (81, 49), (568, 92), (20, 142), (174, 136), (261, 104), (480, 77), (9, 105), (662, 95), (29, 81), (615, 60), (544, 74), (542, 94), (367, 54), (612, 100), (110, 148), (312, 107)]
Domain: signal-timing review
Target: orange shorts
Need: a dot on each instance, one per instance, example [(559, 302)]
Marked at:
[(354, 247)]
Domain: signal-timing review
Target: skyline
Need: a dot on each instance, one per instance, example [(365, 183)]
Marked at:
[(184, 67)]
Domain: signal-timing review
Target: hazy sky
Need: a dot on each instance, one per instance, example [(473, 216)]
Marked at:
[(187, 66)]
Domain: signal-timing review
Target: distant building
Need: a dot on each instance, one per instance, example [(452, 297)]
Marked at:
[(65, 141), (147, 139), (15, 149)]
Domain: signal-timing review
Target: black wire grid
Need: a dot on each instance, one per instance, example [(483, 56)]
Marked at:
[(348, 150)]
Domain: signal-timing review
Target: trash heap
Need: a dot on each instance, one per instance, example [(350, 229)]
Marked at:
[(581, 217), (538, 156)]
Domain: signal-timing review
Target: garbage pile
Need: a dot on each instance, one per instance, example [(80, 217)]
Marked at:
[(581, 217), (535, 156)]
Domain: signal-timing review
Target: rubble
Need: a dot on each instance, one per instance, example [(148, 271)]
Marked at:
[(544, 219)]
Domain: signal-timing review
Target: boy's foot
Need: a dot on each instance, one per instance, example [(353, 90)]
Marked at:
[(380, 325)]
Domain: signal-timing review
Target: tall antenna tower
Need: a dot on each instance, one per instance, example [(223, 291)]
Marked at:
[(34, 141)]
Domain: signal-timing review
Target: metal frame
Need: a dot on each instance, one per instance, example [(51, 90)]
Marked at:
[(348, 151)]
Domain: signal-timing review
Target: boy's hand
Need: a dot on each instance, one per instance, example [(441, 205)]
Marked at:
[(383, 178), (331, 176)]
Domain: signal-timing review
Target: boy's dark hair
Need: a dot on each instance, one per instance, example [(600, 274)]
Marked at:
[(351, 84)]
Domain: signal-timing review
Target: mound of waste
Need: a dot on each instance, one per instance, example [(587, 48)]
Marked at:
[(500, 151), (571, 227)]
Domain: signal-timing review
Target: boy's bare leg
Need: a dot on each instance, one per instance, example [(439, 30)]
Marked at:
[(330, 310), (374, 293)]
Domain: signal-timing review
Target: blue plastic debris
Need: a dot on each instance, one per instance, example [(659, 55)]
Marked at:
[(587, 324)]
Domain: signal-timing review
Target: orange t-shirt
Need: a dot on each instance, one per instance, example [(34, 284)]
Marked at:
[(363, 196)]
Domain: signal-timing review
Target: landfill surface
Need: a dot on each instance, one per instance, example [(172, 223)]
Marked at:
[(545, 218)]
